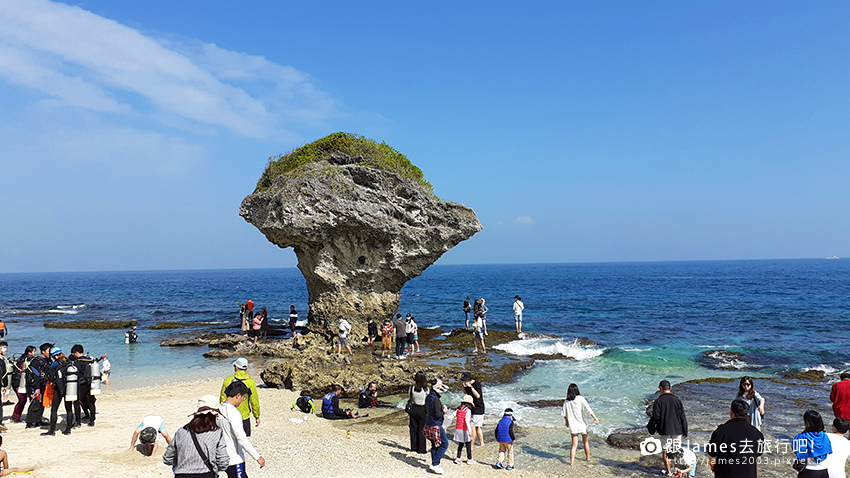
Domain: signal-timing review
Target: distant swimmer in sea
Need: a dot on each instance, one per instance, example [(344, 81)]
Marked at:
[(130, 336)]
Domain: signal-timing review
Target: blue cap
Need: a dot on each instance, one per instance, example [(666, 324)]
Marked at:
[(241, 363), (55, 351)]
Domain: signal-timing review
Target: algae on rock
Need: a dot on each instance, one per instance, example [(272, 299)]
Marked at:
[(362, 221)]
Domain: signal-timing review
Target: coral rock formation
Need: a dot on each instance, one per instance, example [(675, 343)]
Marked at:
[(359, 232)]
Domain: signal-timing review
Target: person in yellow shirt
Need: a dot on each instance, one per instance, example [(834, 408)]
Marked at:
[(252, 404)]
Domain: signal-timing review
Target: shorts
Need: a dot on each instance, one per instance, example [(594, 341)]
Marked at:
[(237, 471), (410, 339), (477, 421), (669, 440), (518, 318), (343, 341), (386, 342)]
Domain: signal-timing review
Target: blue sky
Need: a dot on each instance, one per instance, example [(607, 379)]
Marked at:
[(599, 131)]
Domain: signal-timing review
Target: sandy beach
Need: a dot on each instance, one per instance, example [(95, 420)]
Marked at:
[(312, 447)]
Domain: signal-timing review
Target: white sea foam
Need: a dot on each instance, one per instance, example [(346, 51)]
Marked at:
[(67, 309), (826, 369), (636, 349), (546, 346), (72, 307)]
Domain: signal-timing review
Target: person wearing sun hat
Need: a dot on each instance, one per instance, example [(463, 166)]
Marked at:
[(463, 429), (252, 404), (198, 448)]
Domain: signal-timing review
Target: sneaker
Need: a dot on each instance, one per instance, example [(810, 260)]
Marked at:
[(509, 468), (499, 465), (471, 462), (458, 461), (436, 469)]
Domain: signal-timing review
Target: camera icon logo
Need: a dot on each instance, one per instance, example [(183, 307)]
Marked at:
[(650, 446)]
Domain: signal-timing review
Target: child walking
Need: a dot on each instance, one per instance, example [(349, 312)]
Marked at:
[(463, 416), (573, 419), (505, 436)]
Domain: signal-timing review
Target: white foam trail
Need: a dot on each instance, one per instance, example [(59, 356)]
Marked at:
[(546, 346), (636, 349), (72, 307), (822, 368)]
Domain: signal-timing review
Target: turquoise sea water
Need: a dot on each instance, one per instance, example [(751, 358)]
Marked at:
[(650, 320)]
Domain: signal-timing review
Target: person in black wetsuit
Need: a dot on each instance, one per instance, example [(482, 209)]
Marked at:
[(86, 401), (36, 383), (330, 405), (372, 330), (57, 375)]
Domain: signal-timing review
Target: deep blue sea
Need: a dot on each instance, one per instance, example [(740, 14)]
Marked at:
[(650, 320)]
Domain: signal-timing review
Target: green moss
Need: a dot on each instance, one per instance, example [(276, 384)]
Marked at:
[(179, 325), (91, 324), (373, 154)]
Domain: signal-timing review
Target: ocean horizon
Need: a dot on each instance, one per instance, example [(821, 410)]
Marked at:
[(650, 320)]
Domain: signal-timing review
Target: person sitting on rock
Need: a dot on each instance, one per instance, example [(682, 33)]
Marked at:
[(330, 405), (368, 397)]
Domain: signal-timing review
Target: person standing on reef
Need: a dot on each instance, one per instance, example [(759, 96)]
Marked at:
[(264, 322), (256, 324), (372, 331), (473, 388), (467, 309), (293, 319), (247, 407), (3, 329), (480, 325), (342, 340), (400, 336), (518, 308), (668, 420), (840, 397), (250, 306), (836, 460), (244, 319), (387, 337)]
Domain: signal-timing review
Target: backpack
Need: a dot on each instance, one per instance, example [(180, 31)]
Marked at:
[(305, 404)]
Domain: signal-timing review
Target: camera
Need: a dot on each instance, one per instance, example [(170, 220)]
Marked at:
[(650, 446)]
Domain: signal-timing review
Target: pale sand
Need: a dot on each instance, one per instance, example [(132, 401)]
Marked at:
[(316, 447)]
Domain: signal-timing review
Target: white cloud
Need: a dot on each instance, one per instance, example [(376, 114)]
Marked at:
[(85, 60), (523, 220)]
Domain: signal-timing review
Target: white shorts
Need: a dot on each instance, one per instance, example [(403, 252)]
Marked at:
[(518, 318), (477, 421)]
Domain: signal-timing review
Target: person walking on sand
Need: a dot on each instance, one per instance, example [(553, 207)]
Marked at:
[(198, 449), (36, 376), (435, 412), (518, 308), (342, 340), (247, 407), (735, 446), (236, 441), (387, 337), (839, 396), (19, 377), (474, 389), (462, 436), (467, 310), (747, 392), (416, 421), (574, 405), (506, 438), (668, 420)]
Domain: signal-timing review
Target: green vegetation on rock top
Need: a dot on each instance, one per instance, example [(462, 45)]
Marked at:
[(373, 154)]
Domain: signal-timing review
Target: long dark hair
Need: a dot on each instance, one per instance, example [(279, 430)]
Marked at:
[(743, 393), (572, 392), (420, 382), (202, 423), (813, 421)]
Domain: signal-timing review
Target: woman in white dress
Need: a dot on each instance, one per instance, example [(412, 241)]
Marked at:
[(574, 405)]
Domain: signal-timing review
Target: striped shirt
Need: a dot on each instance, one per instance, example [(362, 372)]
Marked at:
[(182, 455)]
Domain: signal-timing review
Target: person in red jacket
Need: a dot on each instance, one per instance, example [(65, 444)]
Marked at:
[(840, 397)]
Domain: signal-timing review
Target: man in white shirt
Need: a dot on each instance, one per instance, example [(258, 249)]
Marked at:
[(518, 308), (147, 432), (236, 442), (836, 460), (344, 331)]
